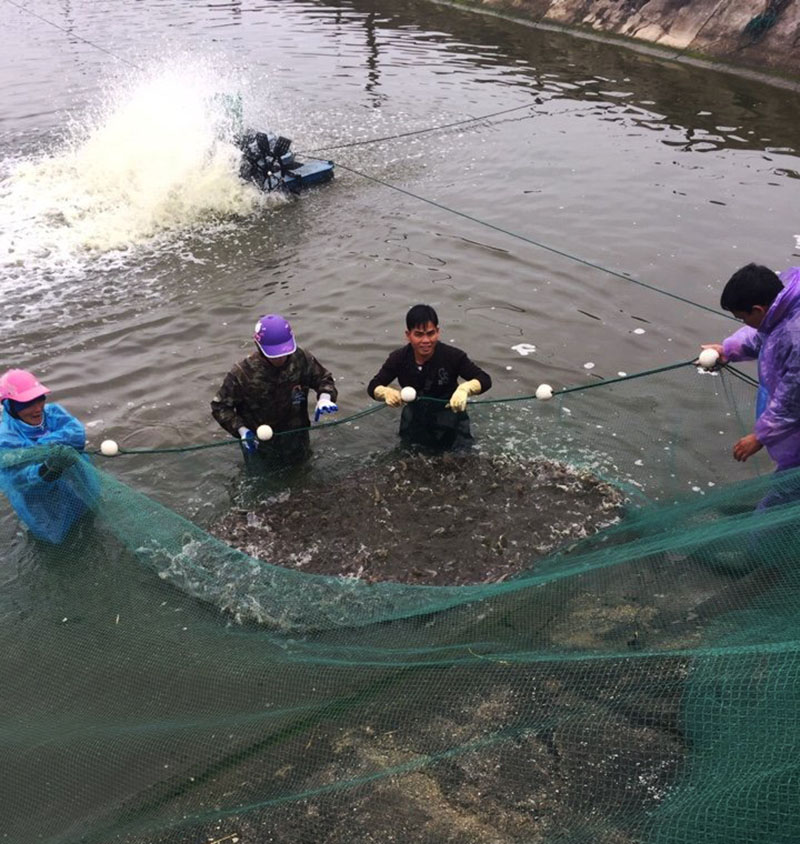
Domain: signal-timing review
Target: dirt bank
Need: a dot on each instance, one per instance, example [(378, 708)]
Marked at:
[(762, 36)]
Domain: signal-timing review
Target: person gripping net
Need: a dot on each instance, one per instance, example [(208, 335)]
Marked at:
[(432, 370), (269, 389)]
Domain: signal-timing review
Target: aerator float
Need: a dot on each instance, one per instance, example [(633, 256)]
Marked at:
[(268, 163)]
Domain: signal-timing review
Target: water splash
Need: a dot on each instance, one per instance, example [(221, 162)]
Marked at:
[(157, 159)]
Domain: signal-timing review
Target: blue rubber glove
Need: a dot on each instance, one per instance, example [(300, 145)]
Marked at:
[(248, 441), (324, 405)]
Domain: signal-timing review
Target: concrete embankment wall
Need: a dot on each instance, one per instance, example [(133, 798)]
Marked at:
[(757, 35)]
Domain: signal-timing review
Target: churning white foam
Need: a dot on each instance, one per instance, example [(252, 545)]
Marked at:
[(158, 158)]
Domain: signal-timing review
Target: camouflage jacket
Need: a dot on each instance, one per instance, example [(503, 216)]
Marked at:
[(256, 393)]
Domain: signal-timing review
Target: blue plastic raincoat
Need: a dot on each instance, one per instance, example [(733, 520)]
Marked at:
[(48, 508), (776, 344)]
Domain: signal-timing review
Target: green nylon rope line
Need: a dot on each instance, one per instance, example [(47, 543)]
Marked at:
[(742, 376), (198, 447), (579, 387), (414, 132), (485, 223), (72, 34), (524, 238), (409, 134), (378, 407)]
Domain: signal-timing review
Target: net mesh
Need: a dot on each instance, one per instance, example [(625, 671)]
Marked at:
[(639, 685)]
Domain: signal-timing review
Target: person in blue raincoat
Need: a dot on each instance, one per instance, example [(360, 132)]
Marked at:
[(769, 306), (43, 470)]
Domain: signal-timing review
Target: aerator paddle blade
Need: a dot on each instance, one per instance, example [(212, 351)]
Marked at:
[(281, 146)]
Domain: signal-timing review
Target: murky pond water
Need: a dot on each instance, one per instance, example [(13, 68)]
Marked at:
[(488, 168), (134, 265)]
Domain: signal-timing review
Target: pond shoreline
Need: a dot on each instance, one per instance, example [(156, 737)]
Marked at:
[(715, 41)]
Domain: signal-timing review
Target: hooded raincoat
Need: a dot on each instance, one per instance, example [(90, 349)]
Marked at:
[(48, 508), (776, 344)]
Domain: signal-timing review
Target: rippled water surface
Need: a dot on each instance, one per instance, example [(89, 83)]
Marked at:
[(134, 263), (491, 169)]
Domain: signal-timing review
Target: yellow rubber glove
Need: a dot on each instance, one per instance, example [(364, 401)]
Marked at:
[(389, 395), (458, 401)]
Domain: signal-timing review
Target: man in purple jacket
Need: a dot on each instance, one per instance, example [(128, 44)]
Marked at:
[(769, 306)]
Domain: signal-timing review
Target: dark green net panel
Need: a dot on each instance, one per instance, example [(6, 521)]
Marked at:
[(639, 685)]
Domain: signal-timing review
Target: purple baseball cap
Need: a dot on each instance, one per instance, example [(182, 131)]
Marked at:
[(273, 335)]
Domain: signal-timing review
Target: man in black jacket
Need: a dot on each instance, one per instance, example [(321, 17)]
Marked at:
[(432, 369)]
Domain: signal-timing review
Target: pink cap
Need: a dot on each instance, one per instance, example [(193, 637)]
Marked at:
[(21, 385)]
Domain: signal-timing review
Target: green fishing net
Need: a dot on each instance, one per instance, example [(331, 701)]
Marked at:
[(638, 684)]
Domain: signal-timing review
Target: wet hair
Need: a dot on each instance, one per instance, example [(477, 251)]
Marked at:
[(750, 286), (421, 315)]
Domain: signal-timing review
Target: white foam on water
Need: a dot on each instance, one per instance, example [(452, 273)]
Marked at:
[(157, 160)]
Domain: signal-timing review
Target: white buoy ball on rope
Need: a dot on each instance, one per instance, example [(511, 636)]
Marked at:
[(408, 394), (264, 432), (109, 448), (708, 358), (544, 392)]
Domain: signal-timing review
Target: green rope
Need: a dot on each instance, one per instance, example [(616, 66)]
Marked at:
[(742, 376), (170, 450), (642, 374), (600, 383), (378, 407), (522, 237), (72, 34), (223, 443), (414, 132), (533, 242)]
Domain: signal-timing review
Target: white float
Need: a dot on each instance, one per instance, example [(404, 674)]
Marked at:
[(544, 392), (109, 448), (264, 432), (708, 358), (408, 394)]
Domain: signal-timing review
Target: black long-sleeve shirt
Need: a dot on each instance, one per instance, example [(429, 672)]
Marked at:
[(430, 423), (436, 378)]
